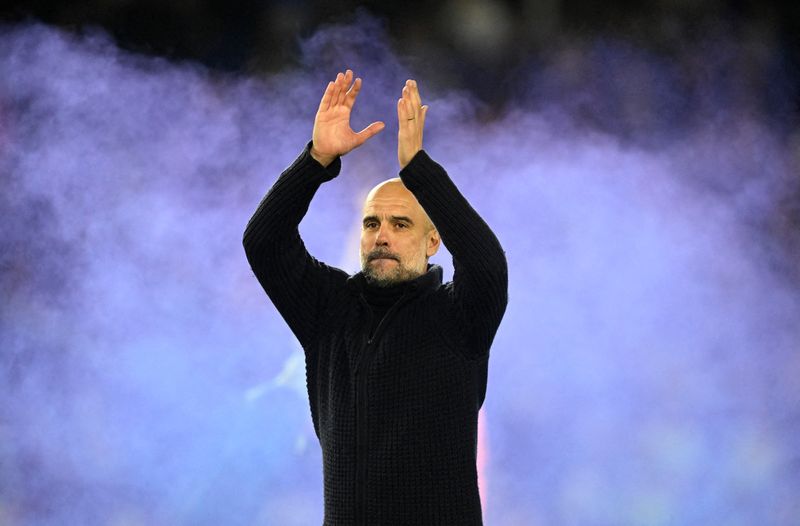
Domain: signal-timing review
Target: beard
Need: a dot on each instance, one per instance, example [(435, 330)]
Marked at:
[(388, 275)]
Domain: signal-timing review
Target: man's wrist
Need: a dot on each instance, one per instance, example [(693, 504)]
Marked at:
[(410, 159), (324, 160)]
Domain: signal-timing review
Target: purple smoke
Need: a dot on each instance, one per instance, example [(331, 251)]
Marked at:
[(647, 370)]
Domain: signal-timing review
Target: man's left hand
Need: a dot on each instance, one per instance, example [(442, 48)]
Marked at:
[(411, 120)]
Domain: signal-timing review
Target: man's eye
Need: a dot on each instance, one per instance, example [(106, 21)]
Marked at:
[(402, 225), (369, 225)]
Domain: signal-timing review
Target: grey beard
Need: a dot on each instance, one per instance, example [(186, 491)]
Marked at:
[(399, 275)]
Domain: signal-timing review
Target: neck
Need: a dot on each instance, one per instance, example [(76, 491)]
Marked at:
[(381, 295)]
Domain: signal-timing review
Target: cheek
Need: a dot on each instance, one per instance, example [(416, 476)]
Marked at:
[(367, 240), (413, 248)]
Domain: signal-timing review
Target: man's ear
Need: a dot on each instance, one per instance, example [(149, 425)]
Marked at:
[(432, 242)]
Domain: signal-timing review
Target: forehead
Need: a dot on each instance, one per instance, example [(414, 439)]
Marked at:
[(391, 199)]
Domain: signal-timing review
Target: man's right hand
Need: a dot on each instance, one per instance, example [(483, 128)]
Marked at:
[(332, 135)]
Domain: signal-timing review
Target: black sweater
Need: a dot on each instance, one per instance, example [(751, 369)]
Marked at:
[(381, 299), (396, 413)]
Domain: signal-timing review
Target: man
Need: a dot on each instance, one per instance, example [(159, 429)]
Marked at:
[(396, 361)]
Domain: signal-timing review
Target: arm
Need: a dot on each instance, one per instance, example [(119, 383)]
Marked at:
[(480, 278), (297, 283)]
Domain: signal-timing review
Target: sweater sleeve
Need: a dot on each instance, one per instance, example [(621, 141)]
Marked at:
[(480, 278), (297, 283)]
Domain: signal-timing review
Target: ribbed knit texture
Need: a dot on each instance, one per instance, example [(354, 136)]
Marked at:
[(380, 299), (396, 414)]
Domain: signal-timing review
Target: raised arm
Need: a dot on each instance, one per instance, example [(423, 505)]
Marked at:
[(480, 278), (298, 284)]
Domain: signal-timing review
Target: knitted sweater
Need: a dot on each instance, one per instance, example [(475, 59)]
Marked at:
[(395, 412), (381, 299)]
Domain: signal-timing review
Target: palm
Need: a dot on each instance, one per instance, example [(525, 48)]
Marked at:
[(332, 135), (332, 132)]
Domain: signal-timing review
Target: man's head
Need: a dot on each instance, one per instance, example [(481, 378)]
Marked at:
[(397, 236)]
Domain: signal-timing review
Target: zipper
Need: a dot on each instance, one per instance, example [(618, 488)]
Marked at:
[(361, 408)]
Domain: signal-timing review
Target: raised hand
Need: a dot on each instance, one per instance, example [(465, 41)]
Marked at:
[(332, 135), (411, 120)]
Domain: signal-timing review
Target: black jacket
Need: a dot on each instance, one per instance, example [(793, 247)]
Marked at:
[(396, 414)]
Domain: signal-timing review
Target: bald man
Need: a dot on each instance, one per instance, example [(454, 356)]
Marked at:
[(396, 360)]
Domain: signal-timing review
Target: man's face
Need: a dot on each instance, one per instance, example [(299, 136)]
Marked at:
[(396, 235)]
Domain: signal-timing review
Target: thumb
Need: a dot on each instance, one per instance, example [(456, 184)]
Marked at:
[(422, 115), (370, 130)]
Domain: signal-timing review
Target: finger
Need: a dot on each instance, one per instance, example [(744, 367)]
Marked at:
[(407, 93), (410, 95), (370, 131), (325, 103), (415, 98), (423, 112), (405, 116), (402, 114), (412, 107), (352, 93), (337, 88), (406, 105), (346, 80)]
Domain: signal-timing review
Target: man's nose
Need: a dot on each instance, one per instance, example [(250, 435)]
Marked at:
[(383, 235)]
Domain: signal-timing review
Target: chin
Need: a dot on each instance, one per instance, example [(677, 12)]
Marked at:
[(380, 281), (381, 278)]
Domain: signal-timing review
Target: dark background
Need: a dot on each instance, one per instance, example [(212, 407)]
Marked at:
[(477, 45)]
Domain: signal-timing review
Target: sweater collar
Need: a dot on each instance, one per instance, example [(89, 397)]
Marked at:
[(431, 280)]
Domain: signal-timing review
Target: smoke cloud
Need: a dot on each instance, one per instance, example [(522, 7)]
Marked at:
[(647, 370)]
